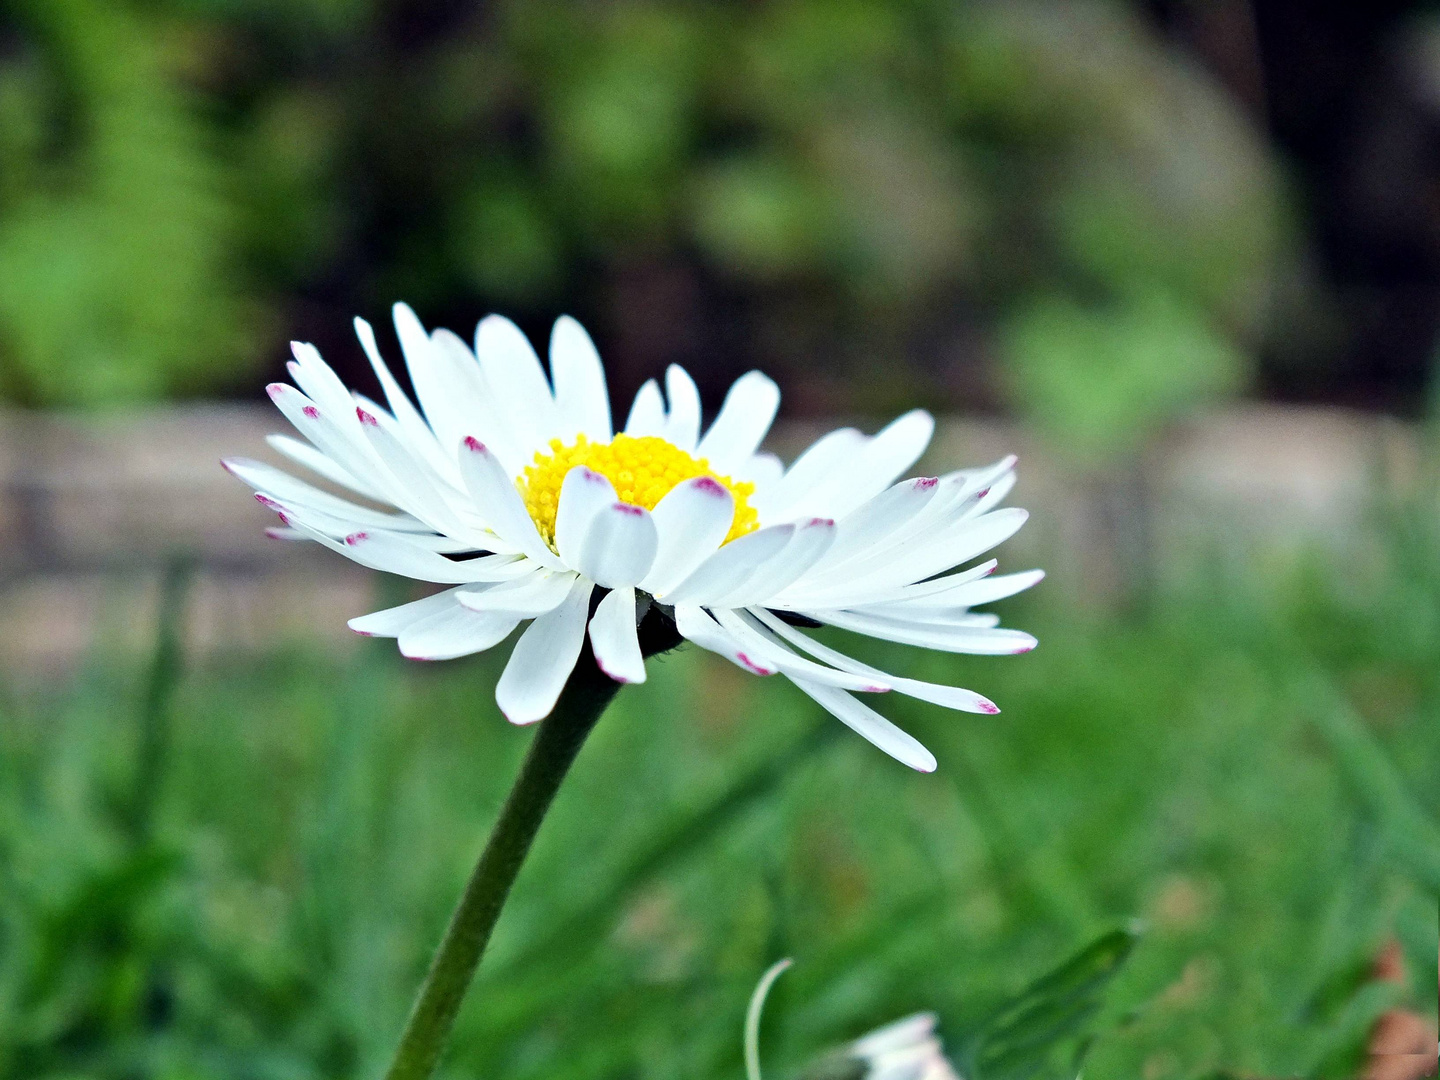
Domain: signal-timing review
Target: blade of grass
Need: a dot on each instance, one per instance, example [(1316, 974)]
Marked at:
[(1411, 834), (166, 668)]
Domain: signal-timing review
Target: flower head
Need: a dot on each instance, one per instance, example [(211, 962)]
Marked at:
[(513, 489), (907, 1049)]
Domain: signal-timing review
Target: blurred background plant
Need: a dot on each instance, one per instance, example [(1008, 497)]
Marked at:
[(882, 201)]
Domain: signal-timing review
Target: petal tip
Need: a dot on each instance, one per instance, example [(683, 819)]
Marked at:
[(751, 666), (623, 680), (521, 720)]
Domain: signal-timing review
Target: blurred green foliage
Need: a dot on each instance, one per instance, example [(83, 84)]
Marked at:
[(871, 196), (117, 237), (1247, 767)]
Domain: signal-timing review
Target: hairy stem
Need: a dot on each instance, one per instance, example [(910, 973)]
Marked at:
[(556, 743)]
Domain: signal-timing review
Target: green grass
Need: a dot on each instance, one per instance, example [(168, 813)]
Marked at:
[(1247, 767)]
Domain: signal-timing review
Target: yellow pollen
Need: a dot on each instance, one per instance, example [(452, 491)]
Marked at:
[(642, 469)]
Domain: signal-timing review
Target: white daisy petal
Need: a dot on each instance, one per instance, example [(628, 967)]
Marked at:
[(454, 632), (965, 594), (427, 495), (299, 495), (742, 425), (892, 451), (543, 659), (399, 401), (900, 1035), (948, 547), (925, 553), (767, 651), (981, 641), (682, 424), (994, 495), (391, 621), (497, 500), (866, 722), (762, 470), (524, 598), (730, 567), (583, 494), (581, 400), (619, 546), (481, 414), (873, 467), (514, 375), (352, 451), (697, 625), (647, 415), (691, 522), (312, 459), (807, 546), (316, 378), (388, 552), (895, 594), (435, 385), (948, 697), (984, 475), (869, 525), (613, 638), (814, 468), (891, 525), (418, 433), (394, 555), (337, 528)]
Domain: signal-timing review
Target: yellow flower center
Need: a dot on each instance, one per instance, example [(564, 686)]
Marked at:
[(643, 471)]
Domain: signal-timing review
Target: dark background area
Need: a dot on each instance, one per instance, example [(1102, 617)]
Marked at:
[(1348, 95)]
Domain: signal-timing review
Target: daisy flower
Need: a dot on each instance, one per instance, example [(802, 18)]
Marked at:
[(907, 1049), (515, 490)]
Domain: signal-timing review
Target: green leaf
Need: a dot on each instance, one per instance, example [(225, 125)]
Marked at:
[(1020, 1038)]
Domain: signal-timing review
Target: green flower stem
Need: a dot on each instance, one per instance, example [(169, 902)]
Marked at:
[(556, 744)]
